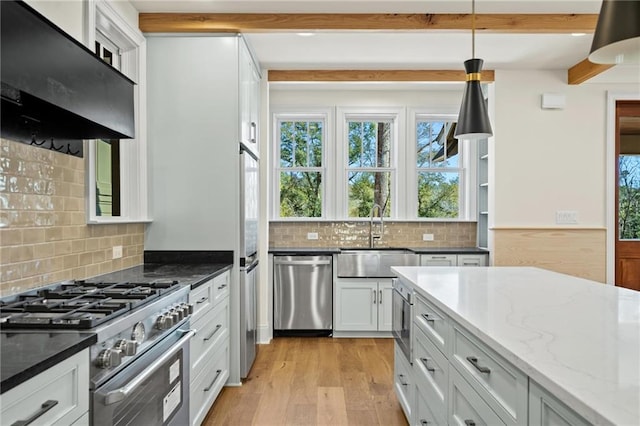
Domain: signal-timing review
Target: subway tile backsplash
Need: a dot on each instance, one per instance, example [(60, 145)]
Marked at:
[(356, 234), (44, 237)]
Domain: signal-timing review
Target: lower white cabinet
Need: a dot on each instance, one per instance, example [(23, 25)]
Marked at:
[(546, 410), (466, 407), (403, 381), (57, 396), (209, 348), (363, 305), (454, 259)]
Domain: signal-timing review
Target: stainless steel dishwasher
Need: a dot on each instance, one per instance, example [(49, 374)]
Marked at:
[(302, 295)]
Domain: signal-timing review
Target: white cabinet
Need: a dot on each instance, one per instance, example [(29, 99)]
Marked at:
[(547, 410), (209, 348), (57, 396), (249, 99), (436, 259), (363, 305), (403, 381)]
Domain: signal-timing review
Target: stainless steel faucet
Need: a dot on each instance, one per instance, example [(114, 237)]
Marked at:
[(378, 236)]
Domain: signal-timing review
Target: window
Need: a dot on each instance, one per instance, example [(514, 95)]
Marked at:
[(369, 174), (300, 172), (116, 170), (438, 162)]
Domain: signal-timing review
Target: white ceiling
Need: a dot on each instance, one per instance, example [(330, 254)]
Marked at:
[(409, 50)]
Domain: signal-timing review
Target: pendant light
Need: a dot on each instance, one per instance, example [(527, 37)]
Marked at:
[(617, 36), (473, 120)]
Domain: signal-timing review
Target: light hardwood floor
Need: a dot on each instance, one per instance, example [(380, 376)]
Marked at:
[(314, 381)]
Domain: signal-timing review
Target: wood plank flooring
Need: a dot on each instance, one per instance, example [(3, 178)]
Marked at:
[(314, 381)]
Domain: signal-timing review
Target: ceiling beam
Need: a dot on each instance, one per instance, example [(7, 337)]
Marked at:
[(373, 75), (584, 70), (268, 22)]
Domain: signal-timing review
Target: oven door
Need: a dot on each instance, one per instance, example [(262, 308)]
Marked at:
[(402, 319), (152, 390)]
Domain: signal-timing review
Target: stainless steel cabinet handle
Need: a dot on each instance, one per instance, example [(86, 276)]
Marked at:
[(469, 423), (374, 297), (204, 299), (119, 394), (474, 361), (208, 388), (252, 132), (429, 318), (302, 262), (380, 298), (46, 406), (423, 422), (222, 286), (438, 257), (426, 365), (402, 382), (214, 332)]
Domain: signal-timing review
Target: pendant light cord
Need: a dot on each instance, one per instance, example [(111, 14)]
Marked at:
[(473, 29)]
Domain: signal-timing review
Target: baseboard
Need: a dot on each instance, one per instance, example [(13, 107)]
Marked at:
[(369, 334)]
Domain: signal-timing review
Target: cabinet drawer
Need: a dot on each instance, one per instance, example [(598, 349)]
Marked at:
[(424, 416), (403, 381), (207, 385), (220, 287), (433, 322), (472, 260), (465, 405), (202, 300), (545, 409), (431, 370), (66, 384), (210, 329), (503, 386), (438, 260)]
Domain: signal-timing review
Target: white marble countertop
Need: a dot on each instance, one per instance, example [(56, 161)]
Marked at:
[(577, 338)]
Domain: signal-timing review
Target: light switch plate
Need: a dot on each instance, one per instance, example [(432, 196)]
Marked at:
[(427, 237), (566, 217), (312, 236)]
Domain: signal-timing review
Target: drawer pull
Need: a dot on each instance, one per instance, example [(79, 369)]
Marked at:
[(222, 286), (424, 362), (214, 332), (208, 388), (46, 406), (469, 423), (423, 422), (204, 299), (474, 361), (401, 380), (429, 318)]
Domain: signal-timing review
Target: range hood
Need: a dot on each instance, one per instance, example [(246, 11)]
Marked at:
[(55, 90)]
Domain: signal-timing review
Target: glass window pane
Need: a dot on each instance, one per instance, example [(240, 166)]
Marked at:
[(300, 144), (300, 194), (107, 177), (629, 197), (367, 189), (438, 195), (370, 143), (286, 143), (436, 145)]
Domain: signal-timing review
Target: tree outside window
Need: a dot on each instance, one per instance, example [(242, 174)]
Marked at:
[(369, 166), (629, 197), (301, 173), (439, 168)]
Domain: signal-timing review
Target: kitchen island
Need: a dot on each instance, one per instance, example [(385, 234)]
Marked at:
[(527, 332)]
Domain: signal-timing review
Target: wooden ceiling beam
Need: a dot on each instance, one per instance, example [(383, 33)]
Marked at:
[(584, 70), (373, 75), (282, 22)]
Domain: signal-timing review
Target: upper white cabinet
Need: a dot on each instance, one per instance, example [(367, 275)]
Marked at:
[(249, 99)]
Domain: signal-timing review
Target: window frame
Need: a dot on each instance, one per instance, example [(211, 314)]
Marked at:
[(101, 17), (297, 114)]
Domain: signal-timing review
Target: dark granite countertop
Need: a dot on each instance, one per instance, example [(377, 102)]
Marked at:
[(417, 250), (26, 354)]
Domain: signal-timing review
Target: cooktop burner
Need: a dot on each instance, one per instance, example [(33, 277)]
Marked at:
[(79, 304)]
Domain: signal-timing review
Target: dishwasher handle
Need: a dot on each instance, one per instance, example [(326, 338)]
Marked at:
[(302, 262)]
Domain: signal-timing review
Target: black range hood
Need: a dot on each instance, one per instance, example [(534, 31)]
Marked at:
[(55, 91)]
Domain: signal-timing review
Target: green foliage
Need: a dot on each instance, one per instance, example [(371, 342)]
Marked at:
[(300, 194), (629, 197)]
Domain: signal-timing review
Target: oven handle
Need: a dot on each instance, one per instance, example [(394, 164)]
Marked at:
[(119, 394)]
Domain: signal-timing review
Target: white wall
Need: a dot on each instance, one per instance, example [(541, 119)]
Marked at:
[(548, 160)]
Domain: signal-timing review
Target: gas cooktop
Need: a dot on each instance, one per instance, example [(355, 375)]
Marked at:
[(79, 304)]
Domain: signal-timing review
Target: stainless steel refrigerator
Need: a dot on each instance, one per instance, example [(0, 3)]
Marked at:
[(249, 211)]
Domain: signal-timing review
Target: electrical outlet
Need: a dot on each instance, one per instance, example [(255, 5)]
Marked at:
[(566, 217), (117, 252), (312, 236), (427, 237)]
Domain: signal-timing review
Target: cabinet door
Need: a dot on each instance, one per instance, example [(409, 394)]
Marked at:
[(356, 306), (544, 409), (438, 260), (385, 315), (472, 260)]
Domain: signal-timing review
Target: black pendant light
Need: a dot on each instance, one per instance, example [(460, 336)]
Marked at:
[(473, 120), (617, 36)]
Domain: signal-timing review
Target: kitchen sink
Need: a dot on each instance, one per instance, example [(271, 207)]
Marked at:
[(373, 262)]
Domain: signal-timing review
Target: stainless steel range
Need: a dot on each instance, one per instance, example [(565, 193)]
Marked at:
[(139, 370)]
